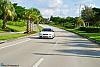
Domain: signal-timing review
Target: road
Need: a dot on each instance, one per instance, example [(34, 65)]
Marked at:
[(65, 50)]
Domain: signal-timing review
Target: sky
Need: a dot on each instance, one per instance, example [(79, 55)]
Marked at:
[(62, 8)]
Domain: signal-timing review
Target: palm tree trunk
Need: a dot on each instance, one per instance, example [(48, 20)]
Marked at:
[(27, 26), (4, 23)]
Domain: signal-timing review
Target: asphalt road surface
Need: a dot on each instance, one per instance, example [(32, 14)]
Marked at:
[(65, 50)]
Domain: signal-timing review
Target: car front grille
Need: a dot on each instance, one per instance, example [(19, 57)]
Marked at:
[(45, 34)]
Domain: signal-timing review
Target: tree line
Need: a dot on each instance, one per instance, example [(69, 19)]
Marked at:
[(13, 12), (89, 17)]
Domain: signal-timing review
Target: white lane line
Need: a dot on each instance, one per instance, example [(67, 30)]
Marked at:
[(14, 44), (38, 62)]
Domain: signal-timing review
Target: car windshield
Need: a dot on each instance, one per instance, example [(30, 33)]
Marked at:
[(47, 29)]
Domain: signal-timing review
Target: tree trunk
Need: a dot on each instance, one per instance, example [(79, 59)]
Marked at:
[(31, 28), (4, 23), (27, 26)]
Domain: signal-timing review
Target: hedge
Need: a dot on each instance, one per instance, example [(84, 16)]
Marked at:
[(90, 29)]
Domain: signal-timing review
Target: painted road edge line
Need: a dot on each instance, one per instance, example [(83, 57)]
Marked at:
[(13, 44), (38, 62)]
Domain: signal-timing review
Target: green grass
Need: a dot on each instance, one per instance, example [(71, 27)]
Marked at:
[(20, 23), (17, 28), (94, 36), (11, 36), (1, 31)]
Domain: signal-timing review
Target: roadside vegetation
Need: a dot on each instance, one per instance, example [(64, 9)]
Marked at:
[(11, 36), (14, 18), (87, 24)]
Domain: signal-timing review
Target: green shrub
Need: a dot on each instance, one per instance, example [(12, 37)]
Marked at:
[(82, 29), (69, 25), (90, 29)]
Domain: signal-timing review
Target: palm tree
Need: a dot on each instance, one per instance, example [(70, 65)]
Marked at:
[(31, 16), (80, 22), (7, 11), (88, 14)]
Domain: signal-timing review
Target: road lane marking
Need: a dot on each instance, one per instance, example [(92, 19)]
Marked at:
[(14, 44), (38, 62)]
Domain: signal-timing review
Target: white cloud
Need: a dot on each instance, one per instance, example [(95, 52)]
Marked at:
[(55, 8), (55, 3), (58, 8), (47, 12)]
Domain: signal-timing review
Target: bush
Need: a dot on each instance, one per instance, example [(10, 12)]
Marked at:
[(82, 29), (69, 25), (90, 29)]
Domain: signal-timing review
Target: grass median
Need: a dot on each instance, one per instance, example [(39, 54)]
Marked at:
[(94, 36), (11, 36)]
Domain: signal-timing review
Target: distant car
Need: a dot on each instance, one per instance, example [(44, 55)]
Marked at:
[(47, 33)]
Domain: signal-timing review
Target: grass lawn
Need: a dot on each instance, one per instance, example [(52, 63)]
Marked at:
[(11, 36), (17, 28), (1, 31), (94, 36)]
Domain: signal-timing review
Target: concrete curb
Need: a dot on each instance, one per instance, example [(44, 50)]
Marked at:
[(92, 40)]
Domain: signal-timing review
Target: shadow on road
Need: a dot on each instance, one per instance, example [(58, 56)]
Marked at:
[(64, 36), (83, 45), (85, 53), (60, 54)]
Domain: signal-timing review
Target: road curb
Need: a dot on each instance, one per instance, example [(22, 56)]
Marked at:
[(92, 40)]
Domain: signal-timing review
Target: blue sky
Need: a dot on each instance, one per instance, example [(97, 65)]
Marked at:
[(61, 8)]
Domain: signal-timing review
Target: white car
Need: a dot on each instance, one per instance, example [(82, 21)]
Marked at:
[(47, 33)]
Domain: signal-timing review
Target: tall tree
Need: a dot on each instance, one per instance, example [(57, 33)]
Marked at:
[(7, 11), (31, 15), (87, 15), (97, 16), (79, 22), (20, 11)]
